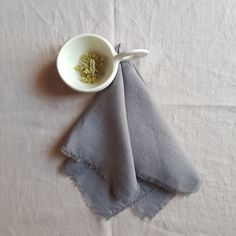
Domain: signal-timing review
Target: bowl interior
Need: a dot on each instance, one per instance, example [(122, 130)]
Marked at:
[(69, 57)]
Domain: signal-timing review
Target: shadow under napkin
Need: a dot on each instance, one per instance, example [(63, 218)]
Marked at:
[(123, 154)]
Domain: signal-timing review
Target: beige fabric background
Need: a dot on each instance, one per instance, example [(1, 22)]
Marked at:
[(191, 72)]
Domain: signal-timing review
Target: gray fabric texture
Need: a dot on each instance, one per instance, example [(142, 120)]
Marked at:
[(123, 154)]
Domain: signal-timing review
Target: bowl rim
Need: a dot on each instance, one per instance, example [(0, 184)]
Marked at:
[(108, 81)]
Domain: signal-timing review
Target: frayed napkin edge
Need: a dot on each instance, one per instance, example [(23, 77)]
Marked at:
[(128, 203)]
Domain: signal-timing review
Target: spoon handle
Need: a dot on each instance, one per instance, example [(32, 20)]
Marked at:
[(132, 54)]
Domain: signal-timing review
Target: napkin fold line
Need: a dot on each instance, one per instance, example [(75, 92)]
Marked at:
[(138, 73), (162, 185), (79, 158)]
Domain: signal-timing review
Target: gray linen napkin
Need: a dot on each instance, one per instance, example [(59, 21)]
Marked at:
[(123, 154)]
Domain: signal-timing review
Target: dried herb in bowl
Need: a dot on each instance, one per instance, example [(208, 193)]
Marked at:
[(90, 67)]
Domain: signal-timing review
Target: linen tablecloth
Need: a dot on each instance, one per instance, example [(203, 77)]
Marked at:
[(190, 72)]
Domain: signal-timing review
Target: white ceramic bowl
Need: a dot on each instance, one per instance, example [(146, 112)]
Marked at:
[(71, 52)]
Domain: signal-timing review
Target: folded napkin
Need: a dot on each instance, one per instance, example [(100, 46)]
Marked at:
[(123, 154)]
